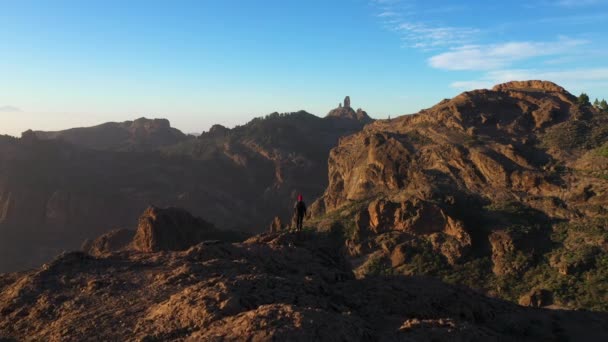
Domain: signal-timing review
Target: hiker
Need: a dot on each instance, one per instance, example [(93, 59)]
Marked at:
[(299, 210)]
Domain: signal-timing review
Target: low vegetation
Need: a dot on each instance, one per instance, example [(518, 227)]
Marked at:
[(570, 260)]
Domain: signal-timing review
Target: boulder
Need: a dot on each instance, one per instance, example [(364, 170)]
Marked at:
[(174, 229), (277, 225), (537, 298)]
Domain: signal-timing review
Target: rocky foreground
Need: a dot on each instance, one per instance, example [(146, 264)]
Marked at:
[(277, 286)]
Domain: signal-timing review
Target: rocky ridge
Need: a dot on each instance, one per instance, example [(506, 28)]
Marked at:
[(139, 135), (278, 286), (498, 181)]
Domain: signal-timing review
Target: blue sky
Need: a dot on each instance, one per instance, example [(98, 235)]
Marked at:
[(78, 63)]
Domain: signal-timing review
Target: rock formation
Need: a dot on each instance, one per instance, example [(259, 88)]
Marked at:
[(112, 241), (483, 179), (347, 102), (347, 112), (276, 225), (173, 229), (283, 287)]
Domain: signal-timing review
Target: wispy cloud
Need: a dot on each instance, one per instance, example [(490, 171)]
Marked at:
[(578, 3), (9, 109), (495, 56), (387, 14), (423, 36), (401, 17), (549, 56)]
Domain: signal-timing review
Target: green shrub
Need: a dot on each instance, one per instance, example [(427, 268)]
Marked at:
[(378, 265), (602, 151)]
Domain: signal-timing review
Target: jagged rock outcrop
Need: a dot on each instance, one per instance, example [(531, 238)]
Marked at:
[(347, 112), (174, 229), (294, 287), (276, 225), (160, 229), (531, 85), (486, 175)]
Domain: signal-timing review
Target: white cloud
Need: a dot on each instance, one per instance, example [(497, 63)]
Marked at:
[(9, 109), (387, 14), (495, 56), (575, 78)]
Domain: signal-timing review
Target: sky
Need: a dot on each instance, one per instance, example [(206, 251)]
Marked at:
[(79, 63)]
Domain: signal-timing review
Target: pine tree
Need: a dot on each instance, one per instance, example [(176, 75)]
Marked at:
[(596, 103), (583, 99), (604, 105)]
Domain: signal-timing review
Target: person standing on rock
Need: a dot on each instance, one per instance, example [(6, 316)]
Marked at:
[(299, 211)]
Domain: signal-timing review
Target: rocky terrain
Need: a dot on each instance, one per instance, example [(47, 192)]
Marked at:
[(59, 188), (278, 286), (502, 190), (166, 229)]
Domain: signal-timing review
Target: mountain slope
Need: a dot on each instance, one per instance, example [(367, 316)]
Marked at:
[(54, 194), (138, 135), (503, 190)]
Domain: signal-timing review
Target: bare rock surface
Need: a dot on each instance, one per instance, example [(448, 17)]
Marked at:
[(504, 182), (270, 287), (113, 241), (173, 229)]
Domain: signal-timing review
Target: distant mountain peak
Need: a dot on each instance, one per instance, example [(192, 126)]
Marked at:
[(347, 112), (347, 102), (139, 134)]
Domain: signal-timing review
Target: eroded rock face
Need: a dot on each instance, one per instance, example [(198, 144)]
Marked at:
[(271, 287), (530, 85), (483, 175), (504, 253), (172, 229), (347, 112), (276, 225)]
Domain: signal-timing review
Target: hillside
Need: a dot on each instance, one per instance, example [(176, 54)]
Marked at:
[(138, 135), (271, 287), (502, 190), (55, 193)]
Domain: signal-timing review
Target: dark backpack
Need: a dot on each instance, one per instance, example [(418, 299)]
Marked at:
[(300, 208)]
